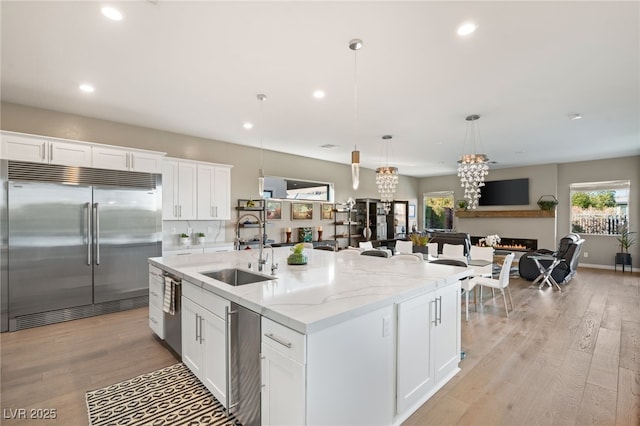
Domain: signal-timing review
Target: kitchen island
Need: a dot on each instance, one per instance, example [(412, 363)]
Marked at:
[(345, 340)]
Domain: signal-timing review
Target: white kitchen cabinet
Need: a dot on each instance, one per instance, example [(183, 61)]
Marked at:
[(42, 150), (204, 337), (192, 349), (156, 297), (214, 187), (123, 159), (283, 391), (283, 375), (179, 193), (428, 348)]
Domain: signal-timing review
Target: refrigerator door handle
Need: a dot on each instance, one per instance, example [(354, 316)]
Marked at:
[(97, 231), (87, 206)]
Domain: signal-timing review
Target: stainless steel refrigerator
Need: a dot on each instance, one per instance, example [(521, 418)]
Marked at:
[(76, 247)]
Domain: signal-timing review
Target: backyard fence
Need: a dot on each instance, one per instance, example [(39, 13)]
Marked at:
[(598, 224)]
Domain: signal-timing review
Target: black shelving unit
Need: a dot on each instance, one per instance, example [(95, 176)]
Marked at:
[(344, 225), (259, 208)]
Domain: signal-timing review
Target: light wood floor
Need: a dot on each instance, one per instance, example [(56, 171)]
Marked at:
[(569, 358)]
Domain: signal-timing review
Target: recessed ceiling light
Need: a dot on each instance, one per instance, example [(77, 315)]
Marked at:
[(248, 125), (466, 28), (87, 88), (319, 94), (111, 13), (575, 116)]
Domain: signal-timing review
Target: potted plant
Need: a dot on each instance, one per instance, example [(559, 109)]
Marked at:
[(626, 240), (201, 237), (547, 202), (462, 205), (297, 257), (419, 242), (184, 239)]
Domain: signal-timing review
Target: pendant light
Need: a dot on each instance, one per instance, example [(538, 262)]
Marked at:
[(386, 177), (473, 167), (355, 45), (261, 98)]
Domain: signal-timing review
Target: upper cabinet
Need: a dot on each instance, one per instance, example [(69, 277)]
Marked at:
[(36, 150), (125, 159), (41, 149), (214, 198), (194, 190), (179, 190)]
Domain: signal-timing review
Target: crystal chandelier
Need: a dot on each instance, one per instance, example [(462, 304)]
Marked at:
[(472, 168), (261, 98), (355, 45), (386, 178)]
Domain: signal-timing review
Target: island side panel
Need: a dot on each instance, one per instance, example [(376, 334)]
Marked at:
[(351, 371)]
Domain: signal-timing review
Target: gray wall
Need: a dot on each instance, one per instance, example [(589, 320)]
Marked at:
[(245, 160)]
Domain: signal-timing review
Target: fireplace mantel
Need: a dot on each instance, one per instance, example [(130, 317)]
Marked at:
[(506, 213)]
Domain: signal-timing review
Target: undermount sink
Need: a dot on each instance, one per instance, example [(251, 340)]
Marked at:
[(235, 277)]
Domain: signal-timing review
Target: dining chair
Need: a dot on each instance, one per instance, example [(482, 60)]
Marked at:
[(453, 250), (404, 247), (432, 251), (307, 245), (365, 245), (407, 257), (486, 254), (348, 252), (325, 248), (466, 285), (377, 253), (501, 283)]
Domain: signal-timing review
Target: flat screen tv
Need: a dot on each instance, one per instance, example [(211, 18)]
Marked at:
[(511, 192)]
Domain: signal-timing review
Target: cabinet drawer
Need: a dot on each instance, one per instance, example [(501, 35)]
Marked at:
[(192, 291), (156, 272), (286, 341), (156, 292), (214, 303), (156, 320)]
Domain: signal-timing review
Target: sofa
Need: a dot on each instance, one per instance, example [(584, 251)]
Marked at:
[(443, 238), (569, 249)]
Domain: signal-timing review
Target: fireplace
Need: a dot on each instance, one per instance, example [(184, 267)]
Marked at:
[(514, 244)]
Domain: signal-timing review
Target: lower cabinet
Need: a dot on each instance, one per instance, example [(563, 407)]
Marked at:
[(428, 346), (204, 338)]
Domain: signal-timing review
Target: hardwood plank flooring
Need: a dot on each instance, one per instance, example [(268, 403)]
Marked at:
[(566, 358)]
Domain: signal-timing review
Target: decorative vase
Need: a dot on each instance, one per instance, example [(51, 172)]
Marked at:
[(297, 259)]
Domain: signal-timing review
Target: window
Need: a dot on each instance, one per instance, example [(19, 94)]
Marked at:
[(296, 189), (599, 208), (438, 210)]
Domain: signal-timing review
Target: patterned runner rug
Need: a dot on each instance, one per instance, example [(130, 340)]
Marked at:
[(167, 397)]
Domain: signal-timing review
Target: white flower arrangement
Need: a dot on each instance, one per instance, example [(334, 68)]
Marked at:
[(490, 240)]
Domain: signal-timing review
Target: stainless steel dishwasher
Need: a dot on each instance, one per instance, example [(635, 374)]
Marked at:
[(244, 365)]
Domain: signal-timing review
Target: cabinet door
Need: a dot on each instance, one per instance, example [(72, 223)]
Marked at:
[(23, 148), (283, 389), (70, 154), (169, 190), (446, 342), (187, 187), (214, 185), (222, 193), (415, 362), (147, 162), (215, 343), (192, 349), (110, 158)]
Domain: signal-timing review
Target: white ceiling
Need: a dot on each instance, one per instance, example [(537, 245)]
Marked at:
[(196, 68)]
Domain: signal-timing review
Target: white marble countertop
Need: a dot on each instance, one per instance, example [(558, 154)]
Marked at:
[(330, 289)]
